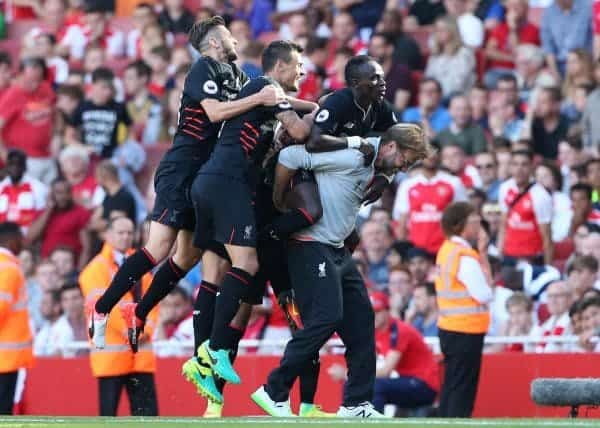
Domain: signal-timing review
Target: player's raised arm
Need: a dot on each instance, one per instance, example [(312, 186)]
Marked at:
[(218, 111)]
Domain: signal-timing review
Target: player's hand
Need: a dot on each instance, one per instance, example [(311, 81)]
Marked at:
[(271, 95), (375, 189), (368, 152)]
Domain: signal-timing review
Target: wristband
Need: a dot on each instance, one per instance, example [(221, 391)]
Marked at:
[(354, 142)]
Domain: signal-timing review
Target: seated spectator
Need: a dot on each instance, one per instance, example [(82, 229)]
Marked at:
[(424, 313), (501, 47), (454, 160), (22, 198), (175, 317), (503, 119), (397, 76), (45, 342), (144, 108), (507, 89), (548, 175), (68, 98), (400, 288), (478, 102), (94, 28), (559, 300), (487, 167), (74, 164), (502, 148), (175, 17), (420, 265), (344, 35), (582, 275), (530, 72), (376, 240), (582, 208), (420, 202), (469, 25), (520, 320), (336, 77), (574, 111), (72, 325), (570, 155), (492, 214), (402, 352), (576, 322), (241, 31), (153, 36), (315, 59), (451, 63), (406, 49), (118, 200), (26, 112), (158, 60), (94, 58), (251, 59), (63, 222), (462, 130), (64, 258), (591, 126), (45, 279), (549, 125), (590, 320), (430, 112), (566, 25), (58, 68), (143, 15), (527, 207), (180, 58), (579, 71), (51, 20), (295, 27), (96, 122)]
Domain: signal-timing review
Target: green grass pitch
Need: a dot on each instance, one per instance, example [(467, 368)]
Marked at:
[(264, 422)]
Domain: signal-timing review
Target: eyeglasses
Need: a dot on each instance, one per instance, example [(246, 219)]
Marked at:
[(485, 166)]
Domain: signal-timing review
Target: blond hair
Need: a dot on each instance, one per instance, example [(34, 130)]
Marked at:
[(410, 136)]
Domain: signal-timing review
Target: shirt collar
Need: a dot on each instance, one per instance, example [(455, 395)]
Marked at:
[(458, 240)]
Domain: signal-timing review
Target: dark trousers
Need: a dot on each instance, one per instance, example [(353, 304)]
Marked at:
[(141, 392), (462, 363), (405, 392), (8, 383), (332, 297)]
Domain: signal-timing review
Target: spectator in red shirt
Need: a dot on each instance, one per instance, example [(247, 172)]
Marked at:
[(344, 35), (158, 60), (454, 160), (63, 222), (336, 78), (50, 21), (502, 43), (311, 86), (402, 351), (26, 119), (75, 166), (17, 10), (22, 198)]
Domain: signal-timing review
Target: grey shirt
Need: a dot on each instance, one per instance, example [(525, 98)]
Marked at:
[(342, 179)]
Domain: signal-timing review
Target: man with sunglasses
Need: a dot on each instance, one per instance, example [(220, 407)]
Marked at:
[(487, 166)]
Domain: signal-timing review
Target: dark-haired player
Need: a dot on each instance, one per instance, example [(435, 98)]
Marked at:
[(223, 195), (208, 98)]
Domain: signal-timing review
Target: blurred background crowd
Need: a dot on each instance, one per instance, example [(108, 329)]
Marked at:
[(89, 97)]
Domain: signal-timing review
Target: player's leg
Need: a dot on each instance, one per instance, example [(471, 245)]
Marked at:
[(305, 208), (357, 331), (109, 394), (318, 293)]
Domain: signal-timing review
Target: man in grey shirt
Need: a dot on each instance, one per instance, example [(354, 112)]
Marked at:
[(329, 290)]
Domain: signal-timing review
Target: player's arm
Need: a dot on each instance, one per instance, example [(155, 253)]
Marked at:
[(390, 362), (218, 111), (546, 232), (283, 177), (303, 105), (502, 233), (297, 128)]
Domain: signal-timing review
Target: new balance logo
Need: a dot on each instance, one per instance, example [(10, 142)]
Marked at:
[(322, 273), (247, 232)]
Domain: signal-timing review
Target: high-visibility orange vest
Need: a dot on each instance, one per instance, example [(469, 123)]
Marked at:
[(458, 311), (15, 335), (116, 358)]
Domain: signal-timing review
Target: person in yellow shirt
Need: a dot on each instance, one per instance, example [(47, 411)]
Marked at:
[(117, 365), (463, 293), (15, 335)]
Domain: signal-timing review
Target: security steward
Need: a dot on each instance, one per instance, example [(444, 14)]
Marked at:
[(463, 293), (116, 365), (15, 335)]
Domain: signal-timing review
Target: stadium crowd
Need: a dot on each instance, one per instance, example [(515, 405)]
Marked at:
[(89, 97)]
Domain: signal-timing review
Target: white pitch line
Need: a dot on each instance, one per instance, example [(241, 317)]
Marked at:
[(291, 421)]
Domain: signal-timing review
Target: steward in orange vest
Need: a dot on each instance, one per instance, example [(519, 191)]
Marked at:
[(463, 292), (116, 366), (15, 335)]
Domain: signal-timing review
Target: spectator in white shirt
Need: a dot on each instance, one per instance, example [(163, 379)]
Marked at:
[(582, 275), (45, 342), (590, 321), (559, 297), (470, 26), (71, 326)]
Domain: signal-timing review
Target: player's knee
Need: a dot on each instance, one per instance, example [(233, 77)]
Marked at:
[(159, 248), (248, 264), (186, 260)]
